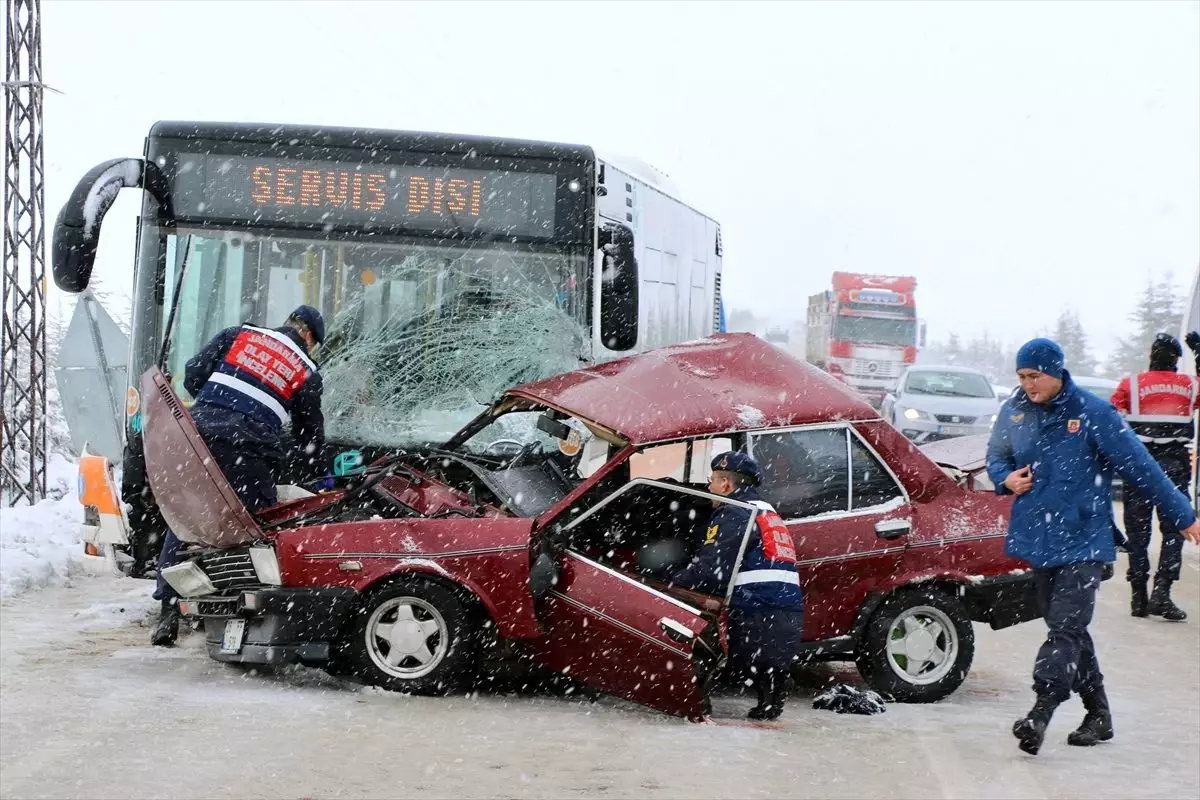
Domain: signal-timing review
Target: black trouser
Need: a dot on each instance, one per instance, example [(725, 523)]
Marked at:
[(251, 477), (764, 644), (1139, 511), (1066, 661)]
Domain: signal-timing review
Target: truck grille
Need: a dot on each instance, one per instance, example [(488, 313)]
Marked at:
[(230, 569), (868, 368), (955, 419)]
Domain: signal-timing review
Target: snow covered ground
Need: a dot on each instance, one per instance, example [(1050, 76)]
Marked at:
[(89, 709), (39, 545)]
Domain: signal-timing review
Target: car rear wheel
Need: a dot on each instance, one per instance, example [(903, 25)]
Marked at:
[(415, 636), (918, 646)]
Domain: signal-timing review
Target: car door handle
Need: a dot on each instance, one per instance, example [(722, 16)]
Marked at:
[(676, 631), (893, 528)]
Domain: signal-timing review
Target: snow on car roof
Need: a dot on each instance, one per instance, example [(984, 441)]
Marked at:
[(724, 383)]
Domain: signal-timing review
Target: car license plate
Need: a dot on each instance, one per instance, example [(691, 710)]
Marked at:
[(953, 430), (235, 631)]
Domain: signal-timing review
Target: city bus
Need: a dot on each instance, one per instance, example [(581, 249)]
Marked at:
[(448, 269)]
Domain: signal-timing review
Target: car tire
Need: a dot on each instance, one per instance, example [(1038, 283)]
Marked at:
[(431, 653), (898, 653)]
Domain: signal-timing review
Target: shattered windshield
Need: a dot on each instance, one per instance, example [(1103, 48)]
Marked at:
[(420, 336)]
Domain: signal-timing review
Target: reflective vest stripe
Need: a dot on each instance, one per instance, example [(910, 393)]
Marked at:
[(253, 392), (767, 576), (1168, 418), (284, 339)]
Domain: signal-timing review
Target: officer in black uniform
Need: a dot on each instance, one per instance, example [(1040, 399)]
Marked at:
[(766, 615), (248, 383)]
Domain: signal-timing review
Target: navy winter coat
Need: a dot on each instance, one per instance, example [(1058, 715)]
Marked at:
[(1074, 444)]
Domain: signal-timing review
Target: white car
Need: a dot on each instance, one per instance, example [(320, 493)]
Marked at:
[(934, 402)]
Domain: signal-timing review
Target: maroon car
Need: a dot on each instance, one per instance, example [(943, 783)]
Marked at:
[(546, 524)]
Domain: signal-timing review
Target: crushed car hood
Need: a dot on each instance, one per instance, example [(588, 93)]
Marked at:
[(964, 453), (726, 382), (192, 493)]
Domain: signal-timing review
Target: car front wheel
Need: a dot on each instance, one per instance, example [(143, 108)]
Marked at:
[(414, 636), (918, 646)]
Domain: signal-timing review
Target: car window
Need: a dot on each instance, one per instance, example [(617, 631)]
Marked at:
[(872, 484), (663, 461), (805, 472), (703, 452)]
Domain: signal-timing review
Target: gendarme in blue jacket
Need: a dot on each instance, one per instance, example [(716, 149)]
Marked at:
[(1073, 444), (762, 583)]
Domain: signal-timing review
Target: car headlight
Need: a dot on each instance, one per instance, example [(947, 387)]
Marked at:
[(992, 420), (914, 414), (188, 580), (266, 565)]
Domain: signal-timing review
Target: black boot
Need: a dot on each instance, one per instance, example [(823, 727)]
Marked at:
[(1097, 723), (1140, 599), (772, 694), (167, 629), (1030, 729), (1161, 605)]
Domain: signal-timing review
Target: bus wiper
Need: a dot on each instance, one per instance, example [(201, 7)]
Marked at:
[(182, 251)]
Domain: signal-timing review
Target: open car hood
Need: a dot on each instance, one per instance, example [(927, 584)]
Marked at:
[(964, 453), (192, 492)]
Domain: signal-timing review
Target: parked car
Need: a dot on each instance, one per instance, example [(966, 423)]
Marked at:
[(935, 402), (544, 527)]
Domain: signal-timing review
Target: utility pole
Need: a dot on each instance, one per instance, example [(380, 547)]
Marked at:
[(23, 334)]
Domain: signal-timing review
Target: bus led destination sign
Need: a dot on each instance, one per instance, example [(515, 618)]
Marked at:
[(418, 198)]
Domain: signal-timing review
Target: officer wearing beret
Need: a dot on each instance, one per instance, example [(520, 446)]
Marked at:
[(766, 614)]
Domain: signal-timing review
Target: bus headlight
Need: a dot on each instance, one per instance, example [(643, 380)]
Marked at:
[(266, 565)]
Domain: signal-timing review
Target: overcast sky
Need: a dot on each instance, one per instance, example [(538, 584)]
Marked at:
[(1015, 157)]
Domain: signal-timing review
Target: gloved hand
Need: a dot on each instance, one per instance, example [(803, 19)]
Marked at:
[(1193, 341), (324, 484)]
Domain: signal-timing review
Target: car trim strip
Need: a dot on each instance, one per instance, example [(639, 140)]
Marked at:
[(448, 554), (957, 539), (619, 624), (808, 562), (638, 584)]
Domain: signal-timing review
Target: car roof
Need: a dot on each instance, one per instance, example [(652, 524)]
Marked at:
[(944, 368), (726, 383), (1084, 380)]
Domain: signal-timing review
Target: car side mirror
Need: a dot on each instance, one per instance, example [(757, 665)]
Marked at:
[(543, 576), (893, 528), (618, 287)]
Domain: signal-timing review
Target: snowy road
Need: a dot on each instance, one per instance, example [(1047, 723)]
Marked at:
[(90, 710)]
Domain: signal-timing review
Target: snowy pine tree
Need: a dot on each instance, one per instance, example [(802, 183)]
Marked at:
[(1073, 340), (1159, 310)]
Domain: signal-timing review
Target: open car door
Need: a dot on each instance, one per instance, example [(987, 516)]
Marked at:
[(607, 628), (192, 492)]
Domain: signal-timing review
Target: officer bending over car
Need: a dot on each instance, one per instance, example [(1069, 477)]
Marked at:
[(766, 616), (248, 383)]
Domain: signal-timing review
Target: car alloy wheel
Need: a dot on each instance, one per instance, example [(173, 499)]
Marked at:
[(922, 645), (918, 646), (406, 637), (413, 635)]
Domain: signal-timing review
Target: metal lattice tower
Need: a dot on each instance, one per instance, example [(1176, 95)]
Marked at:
[(23, 336)]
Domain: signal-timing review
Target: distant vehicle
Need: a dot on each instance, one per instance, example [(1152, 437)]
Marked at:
[(777, 335), (935, 402), (1002, 392), (1101, 387), (865, 331)]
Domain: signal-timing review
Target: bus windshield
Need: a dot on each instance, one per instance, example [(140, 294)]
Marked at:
[(887, 331), (420, 336)]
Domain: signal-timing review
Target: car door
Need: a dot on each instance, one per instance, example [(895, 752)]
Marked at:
[(614, 632), (847, 515)]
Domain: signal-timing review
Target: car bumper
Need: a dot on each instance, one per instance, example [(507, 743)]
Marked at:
[(1003, 600), (280, 626), (922, 431)]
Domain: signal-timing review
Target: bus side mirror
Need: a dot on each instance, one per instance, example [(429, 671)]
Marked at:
[(77, 228), (618, 288)]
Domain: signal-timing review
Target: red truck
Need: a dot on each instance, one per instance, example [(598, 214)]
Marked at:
[(865, 331)]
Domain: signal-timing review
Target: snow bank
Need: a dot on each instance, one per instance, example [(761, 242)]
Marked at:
[(39, 545)]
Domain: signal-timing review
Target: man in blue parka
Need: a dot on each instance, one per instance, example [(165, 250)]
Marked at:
[(1055, 447)]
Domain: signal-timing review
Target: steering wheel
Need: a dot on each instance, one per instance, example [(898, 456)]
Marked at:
[(491, 446)]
